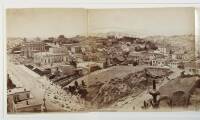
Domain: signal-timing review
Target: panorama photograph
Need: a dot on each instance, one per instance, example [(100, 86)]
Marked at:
[(98, 60)]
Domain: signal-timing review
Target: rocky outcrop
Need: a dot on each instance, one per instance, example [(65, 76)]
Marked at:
[(118, 88)]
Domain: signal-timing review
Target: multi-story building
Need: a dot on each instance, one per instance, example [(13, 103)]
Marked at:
[(21, 100), (48, 58), (173, 63), (162, 50), (29, 48), (145, 57), (19, 94), (58, 50), (76, 47), (158, 62), (91, 66)]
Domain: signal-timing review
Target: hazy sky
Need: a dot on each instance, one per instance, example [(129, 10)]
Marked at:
[(198, 30), (144, 21), (46, 22), (149, 21)]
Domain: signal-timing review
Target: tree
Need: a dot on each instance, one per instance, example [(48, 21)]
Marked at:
[(146, 47), (171, 52), (73, 62), (61, 36), (138, 48), (83, 92), (183, 74), (83, 83), (135, 63), (57, 72), (72, 89), (181, 65), (153, 46), (76, 84)]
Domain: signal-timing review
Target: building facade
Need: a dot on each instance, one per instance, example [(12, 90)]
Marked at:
[(19, 94), (29, 48), (20, 100), (48, 58), (58, 50), (158, 62)]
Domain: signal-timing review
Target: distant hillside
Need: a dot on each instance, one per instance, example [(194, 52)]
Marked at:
[(176, 40), (116, 34), (14, 38)]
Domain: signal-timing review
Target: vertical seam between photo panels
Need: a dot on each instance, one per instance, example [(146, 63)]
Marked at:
[(3, 55)]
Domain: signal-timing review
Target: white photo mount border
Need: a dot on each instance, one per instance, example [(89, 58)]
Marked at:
[(87, 5)]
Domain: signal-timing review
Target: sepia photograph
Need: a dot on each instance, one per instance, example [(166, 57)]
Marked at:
[(102, 60)]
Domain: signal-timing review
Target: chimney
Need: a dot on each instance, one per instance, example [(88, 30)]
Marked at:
[(24, 89)]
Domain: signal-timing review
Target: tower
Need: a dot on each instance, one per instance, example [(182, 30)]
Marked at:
[(154, 93)]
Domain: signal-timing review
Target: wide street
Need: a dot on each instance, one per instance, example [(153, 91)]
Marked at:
[(26, 78)]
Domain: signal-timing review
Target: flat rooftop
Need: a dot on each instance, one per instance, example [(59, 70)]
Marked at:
[(17, 90)]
